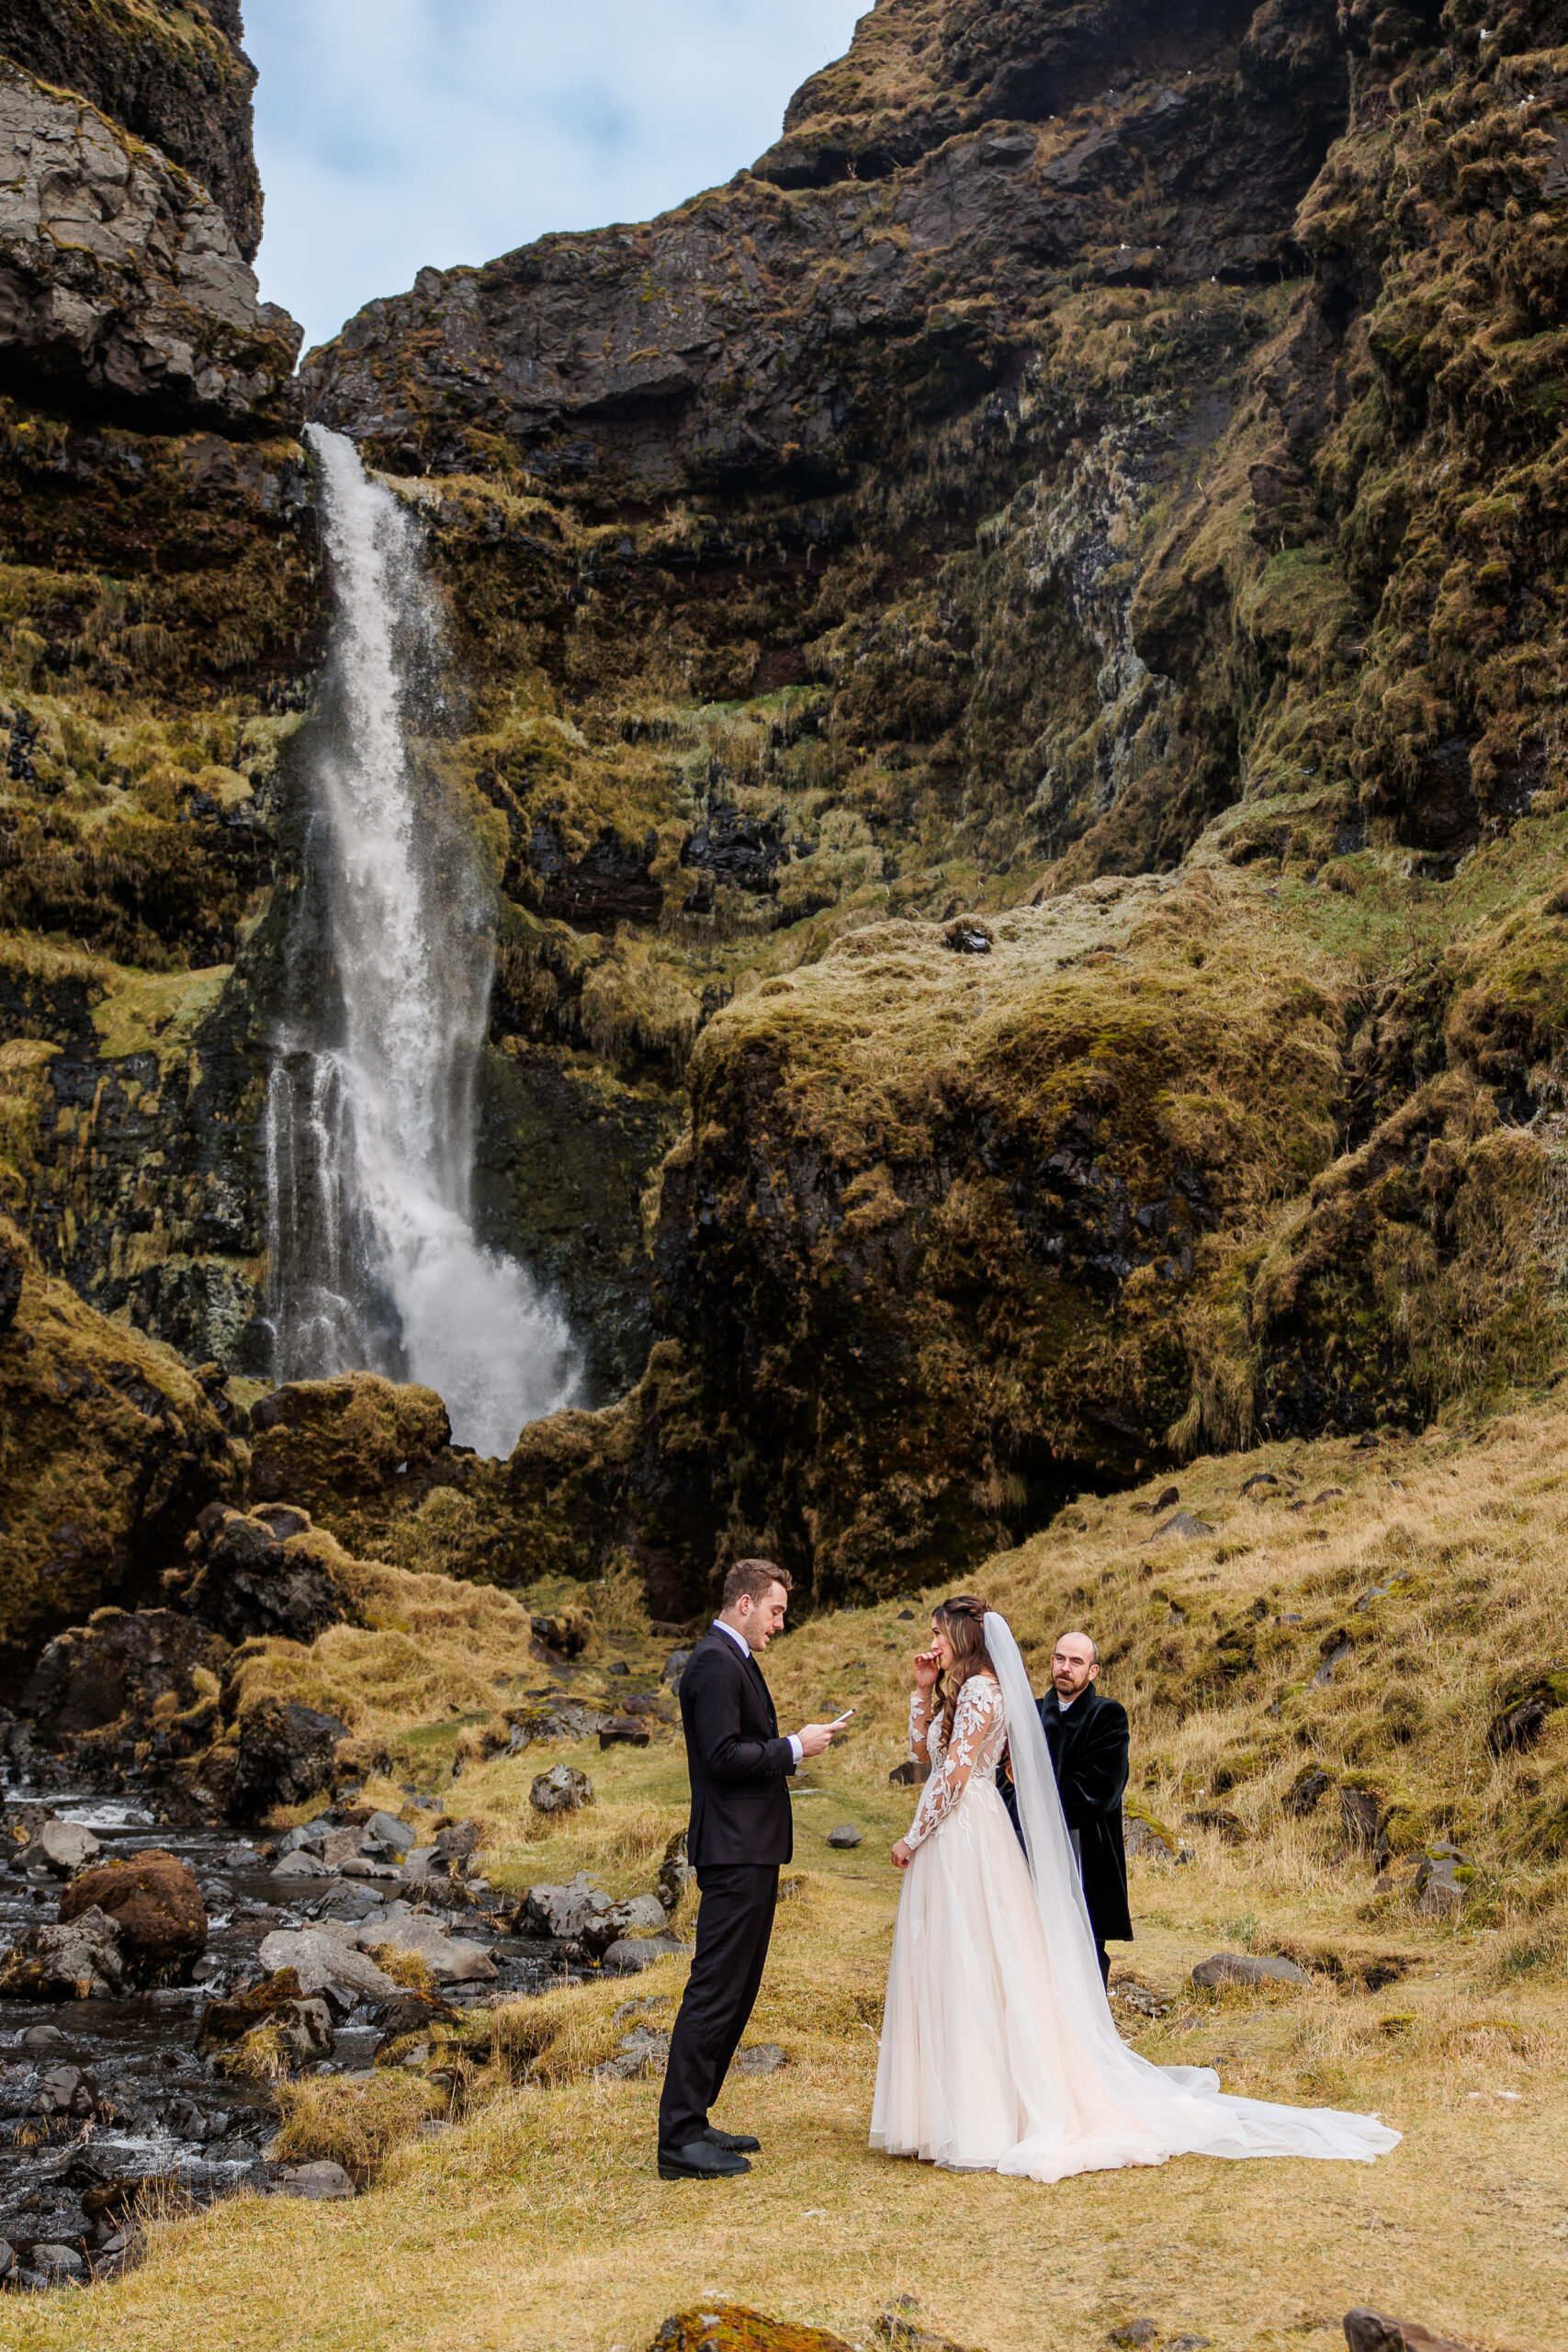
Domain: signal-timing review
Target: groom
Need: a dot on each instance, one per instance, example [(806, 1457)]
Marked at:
[(1089, 1738), (741, 1832)]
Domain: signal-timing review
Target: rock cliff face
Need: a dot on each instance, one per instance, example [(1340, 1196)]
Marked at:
[(1010, 662)]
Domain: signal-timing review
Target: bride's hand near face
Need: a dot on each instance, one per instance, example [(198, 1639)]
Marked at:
[(928, 1666)]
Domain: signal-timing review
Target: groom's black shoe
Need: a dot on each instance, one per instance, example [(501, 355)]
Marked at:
[(740, 2144), (700, 2160)]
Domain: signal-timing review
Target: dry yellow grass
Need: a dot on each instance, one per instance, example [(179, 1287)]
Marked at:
[(536, 2220)]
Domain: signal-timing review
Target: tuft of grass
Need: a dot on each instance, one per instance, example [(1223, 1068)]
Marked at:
[(355, 2124)]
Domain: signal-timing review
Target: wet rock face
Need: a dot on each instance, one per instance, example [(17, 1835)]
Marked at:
[(118, 276), (157, 1909), (178, 78)]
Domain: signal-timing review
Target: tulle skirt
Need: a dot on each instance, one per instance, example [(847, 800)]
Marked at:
[(986, 2067)]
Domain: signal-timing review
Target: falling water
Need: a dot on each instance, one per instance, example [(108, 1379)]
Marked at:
[(370, 1116)]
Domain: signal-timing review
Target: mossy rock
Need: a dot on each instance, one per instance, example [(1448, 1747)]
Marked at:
[(108, 1448)]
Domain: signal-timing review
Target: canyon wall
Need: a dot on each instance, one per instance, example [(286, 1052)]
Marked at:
[(1009, 667)]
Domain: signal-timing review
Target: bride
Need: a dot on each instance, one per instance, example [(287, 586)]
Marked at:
[(998, 2051)]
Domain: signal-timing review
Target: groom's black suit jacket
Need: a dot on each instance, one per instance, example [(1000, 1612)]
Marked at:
[(736, 1760), (1089, 1743)]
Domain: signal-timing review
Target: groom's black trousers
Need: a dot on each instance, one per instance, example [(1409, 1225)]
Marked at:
[(733, 1924)]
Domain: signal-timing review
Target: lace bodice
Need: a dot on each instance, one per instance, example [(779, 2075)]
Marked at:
[(979, 1736)]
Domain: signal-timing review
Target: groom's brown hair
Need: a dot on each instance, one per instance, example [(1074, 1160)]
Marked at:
[(756, 1577)]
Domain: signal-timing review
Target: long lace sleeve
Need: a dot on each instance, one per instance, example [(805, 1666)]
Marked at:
[(978, 1704), (920, 1727)]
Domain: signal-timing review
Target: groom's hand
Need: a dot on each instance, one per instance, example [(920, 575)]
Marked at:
[(815, 1738)]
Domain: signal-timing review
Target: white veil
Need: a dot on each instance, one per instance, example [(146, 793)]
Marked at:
[(1129, 2110), (1053, 1865)]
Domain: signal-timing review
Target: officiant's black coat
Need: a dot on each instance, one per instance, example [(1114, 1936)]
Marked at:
[(737, 1764), (1088, 1744)]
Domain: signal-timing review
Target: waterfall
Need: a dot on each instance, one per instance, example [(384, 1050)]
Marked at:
[(370, 1120)]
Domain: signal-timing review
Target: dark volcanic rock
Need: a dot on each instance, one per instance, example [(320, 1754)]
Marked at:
[(286, 1754), (113, 1672), (177, 79), (250, 1582)]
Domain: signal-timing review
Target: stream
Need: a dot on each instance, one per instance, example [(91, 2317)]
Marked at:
[(98, 2097)]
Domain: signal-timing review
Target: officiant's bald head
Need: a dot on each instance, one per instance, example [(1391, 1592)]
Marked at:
[(1075, 1662)]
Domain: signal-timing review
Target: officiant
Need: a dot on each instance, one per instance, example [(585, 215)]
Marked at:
[(1089, 1738)]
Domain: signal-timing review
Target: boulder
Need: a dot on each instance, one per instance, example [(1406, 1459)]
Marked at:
[(674, 1666), (1371, 2331), (387, 1830), (300, 1864), (322, 2182), (255, 1578), (456, 1843), (55, 2263), (77, 1962), (66, 2090), (565, 1913), (67, 1848), (1246, 1968), (116, 1675), (1143, 1833), (1442, 1882), (643, 1915), (560, 1790), (322, 1964), (451, 1960), (630, 1954), (287, 1753), (1182, 1528), (157, 1904), (845, 1836)]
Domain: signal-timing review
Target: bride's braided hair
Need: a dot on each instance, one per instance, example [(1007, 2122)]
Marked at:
[(963, 1619)]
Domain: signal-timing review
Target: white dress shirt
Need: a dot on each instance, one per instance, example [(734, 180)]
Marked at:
[(744, 1647)]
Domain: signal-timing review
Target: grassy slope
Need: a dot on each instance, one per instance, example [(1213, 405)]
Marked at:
[(538, 2221)]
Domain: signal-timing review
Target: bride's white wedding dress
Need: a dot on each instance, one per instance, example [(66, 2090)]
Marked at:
[(998, 2050)]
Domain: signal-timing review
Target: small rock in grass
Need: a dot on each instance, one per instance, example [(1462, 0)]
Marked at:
[(631, 1953), (845, 1835), (560, 1790), (43, 2037), (1369, 2331), (1246, 1968), (1132, 2334), (762, 2058), (1182, 1528), (320, 2181)]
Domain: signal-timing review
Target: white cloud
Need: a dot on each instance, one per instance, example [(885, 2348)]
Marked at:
[(394, 133)]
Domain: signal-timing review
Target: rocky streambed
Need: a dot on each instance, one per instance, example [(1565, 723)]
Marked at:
[(157, 1979)]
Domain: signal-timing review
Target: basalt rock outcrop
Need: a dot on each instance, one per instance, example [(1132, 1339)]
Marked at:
[(1010, 659)]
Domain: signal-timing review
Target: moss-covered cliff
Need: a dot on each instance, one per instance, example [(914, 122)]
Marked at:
[(1009, 665)]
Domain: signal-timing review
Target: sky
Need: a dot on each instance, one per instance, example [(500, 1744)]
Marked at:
[(395, 134)]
